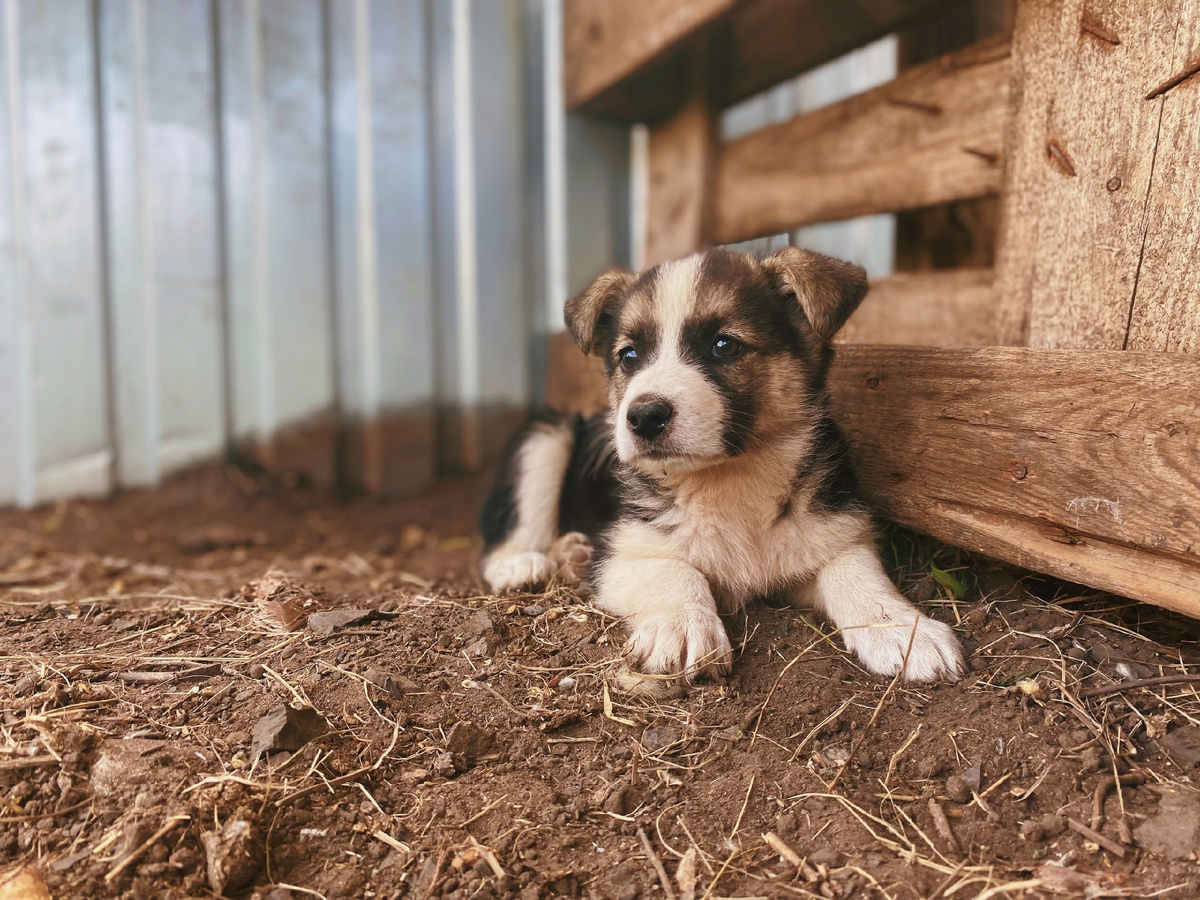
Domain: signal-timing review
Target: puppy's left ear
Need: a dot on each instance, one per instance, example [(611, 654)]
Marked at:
[(827, 289)]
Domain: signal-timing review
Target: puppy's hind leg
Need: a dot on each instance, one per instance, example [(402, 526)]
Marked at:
[(520, 519)]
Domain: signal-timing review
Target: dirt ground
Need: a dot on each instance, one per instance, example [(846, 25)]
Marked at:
[(232, 685)]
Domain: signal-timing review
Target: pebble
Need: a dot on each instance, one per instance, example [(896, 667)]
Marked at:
[(957, 790), (826, 856), (1053, 825), (533, 611)]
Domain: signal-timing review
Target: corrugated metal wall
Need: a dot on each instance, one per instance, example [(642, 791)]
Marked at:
[(223, 221)]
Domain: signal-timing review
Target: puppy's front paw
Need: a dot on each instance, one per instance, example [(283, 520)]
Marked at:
[(521, 570), (687, 641), (572, 553), (936, 654)]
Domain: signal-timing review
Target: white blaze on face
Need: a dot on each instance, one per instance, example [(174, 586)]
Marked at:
[(695, 430)]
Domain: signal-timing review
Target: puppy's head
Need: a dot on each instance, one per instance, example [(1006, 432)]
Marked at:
[(713, 354)]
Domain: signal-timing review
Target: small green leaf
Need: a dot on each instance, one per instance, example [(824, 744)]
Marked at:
[(949, 581)]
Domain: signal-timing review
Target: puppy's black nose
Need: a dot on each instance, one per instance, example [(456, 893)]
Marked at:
[(649, 418)]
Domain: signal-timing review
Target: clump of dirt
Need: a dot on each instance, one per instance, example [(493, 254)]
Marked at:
[(228, 687)]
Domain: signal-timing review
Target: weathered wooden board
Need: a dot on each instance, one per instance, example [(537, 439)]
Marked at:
[(931, 136), (1080, 157), (1083, 464), (1166, 307), (930, 309), (606, 41), (772, 40), (627, 59), (683, 151)]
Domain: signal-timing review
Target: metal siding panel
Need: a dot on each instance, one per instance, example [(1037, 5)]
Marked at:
[(16, 432), (238, 104), (504, 310), (62, 254), (399, 79), (160, 166), (181, 185), (297, 193), (343, 150)]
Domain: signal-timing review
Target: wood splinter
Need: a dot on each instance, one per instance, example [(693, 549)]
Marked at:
[(1097, 838), (942, 824), (1175, 80), (657, 864)]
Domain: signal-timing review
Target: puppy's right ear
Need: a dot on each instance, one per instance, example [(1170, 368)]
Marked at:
[(586, 313)]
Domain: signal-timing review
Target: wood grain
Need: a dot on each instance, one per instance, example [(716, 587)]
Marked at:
[(930, 136), (1166, 307), (683, 151), (607, 41), (1080, 156), (574, 382), (1083, 464), (930, 309)]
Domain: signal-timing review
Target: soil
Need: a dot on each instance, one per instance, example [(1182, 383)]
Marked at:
[(235, 685)]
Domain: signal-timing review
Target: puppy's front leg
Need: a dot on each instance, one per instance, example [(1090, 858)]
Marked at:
[(877, 622), (673, 621)]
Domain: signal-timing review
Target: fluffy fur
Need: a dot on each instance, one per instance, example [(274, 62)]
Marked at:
[(718, 475)]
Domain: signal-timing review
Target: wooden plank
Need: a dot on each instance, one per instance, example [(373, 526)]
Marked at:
[(1166, 308), (683, 151), (607, 41), (952, 308), (931, 136), (1081, 153), (626, 59), (1083, 464), (574, 382), (772, 40)]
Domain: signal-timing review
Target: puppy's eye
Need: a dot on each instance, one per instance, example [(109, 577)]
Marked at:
[(628, 357), (725, 347)]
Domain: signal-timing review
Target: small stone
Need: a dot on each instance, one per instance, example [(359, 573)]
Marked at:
[(286, 728), (973, 777), (1089, 759), (1174, 830), (1053, 825), (1183, 746), (533, 611), (957, 790), (255, 671), (481, 648), (660, 738), (480, 623), (826, 856)]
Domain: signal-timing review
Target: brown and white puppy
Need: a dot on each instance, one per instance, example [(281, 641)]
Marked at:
[(718, 475)]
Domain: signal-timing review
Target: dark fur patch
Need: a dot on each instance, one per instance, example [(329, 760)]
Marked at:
[(590, 500), (829, 464)]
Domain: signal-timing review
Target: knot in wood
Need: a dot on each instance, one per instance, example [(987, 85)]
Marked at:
[(1114, 183), (1019, 471), (873, 384)]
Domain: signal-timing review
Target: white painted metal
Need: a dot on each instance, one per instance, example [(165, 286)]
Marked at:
[(56, 278), (466, 273), (213, 234), (157, 114)]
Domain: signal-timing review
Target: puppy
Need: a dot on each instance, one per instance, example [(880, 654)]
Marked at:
[(717, 476)]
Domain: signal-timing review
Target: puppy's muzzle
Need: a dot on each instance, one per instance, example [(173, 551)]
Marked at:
[(648, 417)]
